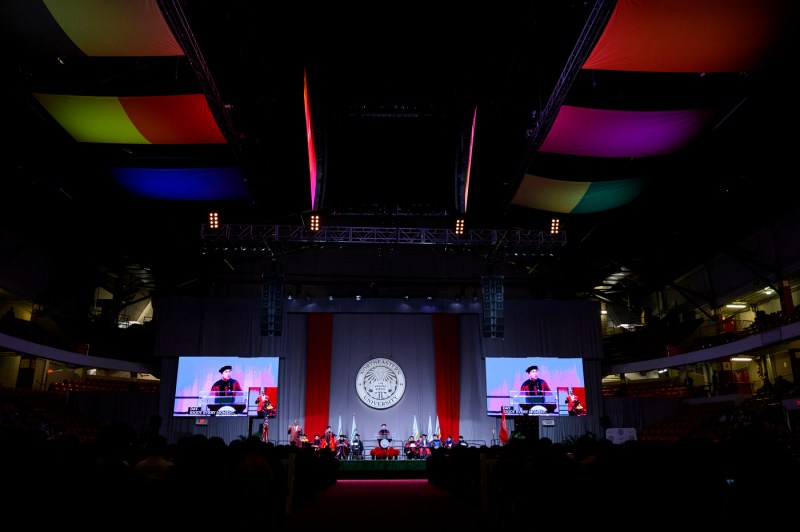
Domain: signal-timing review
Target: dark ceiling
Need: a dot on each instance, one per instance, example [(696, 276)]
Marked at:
[(392, 92)]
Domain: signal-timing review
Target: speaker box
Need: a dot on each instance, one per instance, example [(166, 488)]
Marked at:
[(493, 323), (272, 305)]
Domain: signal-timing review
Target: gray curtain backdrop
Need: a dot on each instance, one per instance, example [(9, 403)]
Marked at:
[(363, 330)]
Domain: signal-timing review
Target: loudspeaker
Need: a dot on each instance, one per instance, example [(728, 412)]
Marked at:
[(271, 305), (493, 323)]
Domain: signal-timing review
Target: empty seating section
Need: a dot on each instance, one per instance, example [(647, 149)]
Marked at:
[(53, 413), (109, 385), (693, 420), (645, 389)]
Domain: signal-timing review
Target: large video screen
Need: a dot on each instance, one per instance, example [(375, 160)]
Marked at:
[(224, 386), (544, 386)]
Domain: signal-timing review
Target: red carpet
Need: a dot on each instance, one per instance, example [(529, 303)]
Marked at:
[(407, 503)]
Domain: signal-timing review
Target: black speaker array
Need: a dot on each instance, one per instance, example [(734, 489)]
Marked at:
[(492, 286), (271, 305)]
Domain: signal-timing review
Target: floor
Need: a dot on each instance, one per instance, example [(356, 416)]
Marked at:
[(406, 503)]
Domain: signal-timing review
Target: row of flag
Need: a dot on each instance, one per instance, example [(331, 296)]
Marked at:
[(431, 431), (415, 430)]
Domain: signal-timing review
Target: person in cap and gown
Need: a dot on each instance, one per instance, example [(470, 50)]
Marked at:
[(342, 448), (534, 385), (423, 445), (410, 448), (357, 447), (227, 385), (330, 438)]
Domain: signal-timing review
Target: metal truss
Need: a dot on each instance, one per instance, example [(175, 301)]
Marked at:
[(247, 234)]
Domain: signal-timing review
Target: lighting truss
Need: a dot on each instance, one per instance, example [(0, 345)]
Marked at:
[(248, 234)]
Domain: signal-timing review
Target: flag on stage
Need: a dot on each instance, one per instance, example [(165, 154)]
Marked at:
[(354, 429), (503, 429), (339, 431), (415, 431), (430, 427), (438, 430)]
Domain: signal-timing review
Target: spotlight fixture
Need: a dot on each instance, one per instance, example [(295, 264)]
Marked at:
[(315, 223), (460, 226), (555, 226), (213, 220)]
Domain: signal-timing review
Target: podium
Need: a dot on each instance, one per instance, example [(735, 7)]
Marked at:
[(534, 403), (225, 402), (384, 440)]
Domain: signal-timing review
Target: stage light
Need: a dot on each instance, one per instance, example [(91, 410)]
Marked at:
[(213, 220), (460, 226), (555, 226), (315, 223)]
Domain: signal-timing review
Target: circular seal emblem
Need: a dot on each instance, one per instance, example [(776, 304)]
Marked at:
[(380, 383)]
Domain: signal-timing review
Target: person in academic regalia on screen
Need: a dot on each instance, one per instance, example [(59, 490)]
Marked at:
[(573, 403), (534, 385), (264, 407), (227, 385)]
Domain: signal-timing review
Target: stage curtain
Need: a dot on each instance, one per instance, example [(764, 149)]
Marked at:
[(445, 342), (318, 371)]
